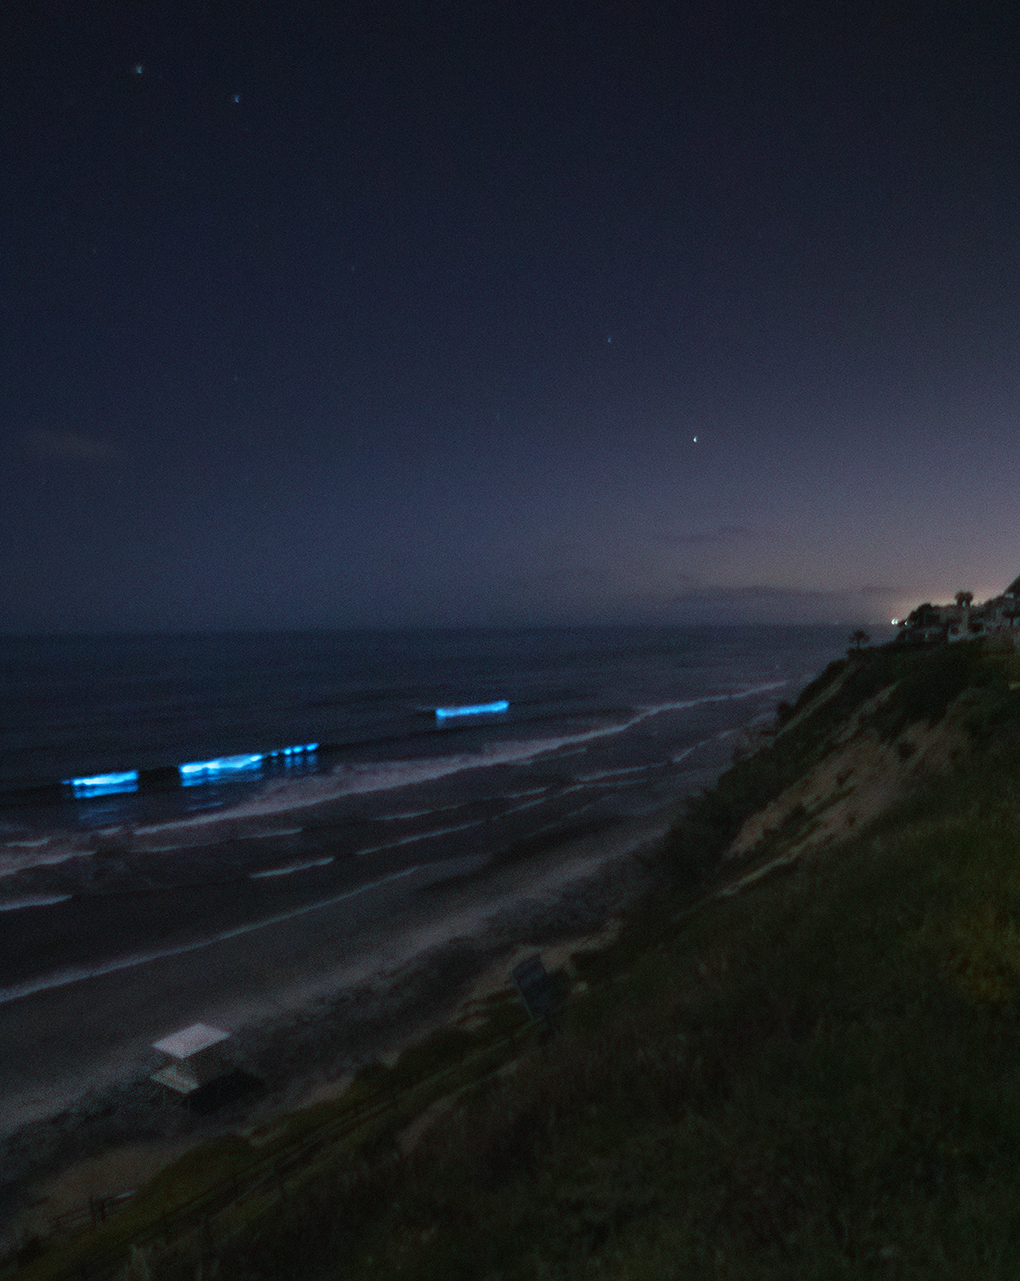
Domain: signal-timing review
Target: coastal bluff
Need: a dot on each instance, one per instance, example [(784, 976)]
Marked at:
[(798, 1055)]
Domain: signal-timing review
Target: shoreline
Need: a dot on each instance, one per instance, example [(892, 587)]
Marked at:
[(557, 898)]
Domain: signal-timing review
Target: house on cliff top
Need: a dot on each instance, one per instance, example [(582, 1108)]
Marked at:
[(963, 620)]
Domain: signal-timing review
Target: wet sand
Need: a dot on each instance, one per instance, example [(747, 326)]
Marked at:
[(303, 1012)]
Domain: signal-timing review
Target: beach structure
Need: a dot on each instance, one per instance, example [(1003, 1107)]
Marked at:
[(198, 1058)]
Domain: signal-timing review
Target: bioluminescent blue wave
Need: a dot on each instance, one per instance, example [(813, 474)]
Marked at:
[(443, 712), (222, 766), (104, 784), (202, 771)]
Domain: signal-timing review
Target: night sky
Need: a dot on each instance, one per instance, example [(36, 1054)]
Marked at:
[(398, 314)]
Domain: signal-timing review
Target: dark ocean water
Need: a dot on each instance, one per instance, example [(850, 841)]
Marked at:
[(602, 724)]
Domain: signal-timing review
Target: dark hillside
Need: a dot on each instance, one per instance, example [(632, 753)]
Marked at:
[(815, 1077)]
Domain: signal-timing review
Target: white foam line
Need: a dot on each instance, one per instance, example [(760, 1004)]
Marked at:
[(423, 836), (346, 781), (709, 698), (611, 773), (293, 867), (264, 836), (60, 856), (64, 977), (37, 900), (532, 791), (514, 809), (561, 820), (166, 849), (440, 809), (27, 845)]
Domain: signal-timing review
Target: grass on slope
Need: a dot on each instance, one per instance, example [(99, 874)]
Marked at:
[(817, 1079), (915, 685)]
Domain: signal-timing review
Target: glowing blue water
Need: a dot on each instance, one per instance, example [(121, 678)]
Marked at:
[(140, 729)]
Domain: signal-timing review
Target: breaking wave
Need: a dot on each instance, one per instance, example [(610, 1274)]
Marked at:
[(291, 867), (283, 796), (351, 780)]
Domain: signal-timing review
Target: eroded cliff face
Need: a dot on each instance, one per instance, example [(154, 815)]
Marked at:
[(852, 786), (860, 773)]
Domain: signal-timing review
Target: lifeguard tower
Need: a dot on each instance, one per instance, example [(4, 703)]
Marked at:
[(198, 1058)]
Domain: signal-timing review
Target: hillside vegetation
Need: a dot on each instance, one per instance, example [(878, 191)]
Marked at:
[(802, 1060)]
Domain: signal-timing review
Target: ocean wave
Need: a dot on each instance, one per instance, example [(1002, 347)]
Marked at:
[(422, 836), (611, 773), (290, 867), (135, 848), (559, 822), (541, 800), (262, 836), (282, 796), (134, 842), (32, 900), (351, 780), (440, 809), (44, 853)]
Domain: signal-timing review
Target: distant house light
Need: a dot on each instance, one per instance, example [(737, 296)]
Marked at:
[(203, 771), (443, 712), (104, 784)]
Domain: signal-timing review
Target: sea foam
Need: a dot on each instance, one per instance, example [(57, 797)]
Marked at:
[(290, 867), (351, 780), (32, 900)]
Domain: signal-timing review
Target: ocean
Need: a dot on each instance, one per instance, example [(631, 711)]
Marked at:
[(601, 723), (158, 896)]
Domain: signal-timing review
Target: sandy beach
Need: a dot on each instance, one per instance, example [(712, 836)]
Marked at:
[(303, 1031)]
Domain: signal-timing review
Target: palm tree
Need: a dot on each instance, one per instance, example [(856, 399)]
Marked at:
[(859, 638)]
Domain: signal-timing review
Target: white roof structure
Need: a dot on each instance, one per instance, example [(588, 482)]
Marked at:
[(190, 1040)]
